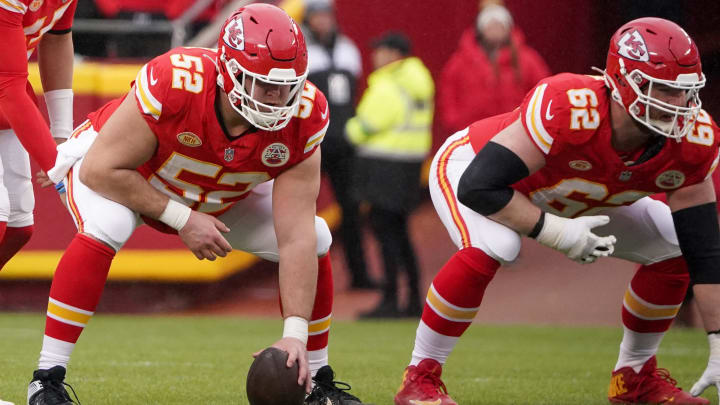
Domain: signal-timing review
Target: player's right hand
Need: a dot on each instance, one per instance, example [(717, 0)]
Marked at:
[(574, 237), (201, 234), (711, 376), (296, 352)]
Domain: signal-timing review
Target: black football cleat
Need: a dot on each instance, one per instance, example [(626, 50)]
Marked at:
[(329, 392), (47, 388)]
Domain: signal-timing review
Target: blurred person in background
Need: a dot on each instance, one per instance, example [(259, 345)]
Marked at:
[(334, 65), (26, 25), (573, 168), (391, 134), (221, 147), (489, 73)]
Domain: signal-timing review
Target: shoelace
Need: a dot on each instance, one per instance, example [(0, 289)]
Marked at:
[(56, 388), (430, 383), (661, 376), (336, 388), (664, 375)]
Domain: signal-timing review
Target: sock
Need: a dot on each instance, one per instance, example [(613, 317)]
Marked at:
[(13, 239), (319, 327), (651, 302), (74, 295), (452, 302)]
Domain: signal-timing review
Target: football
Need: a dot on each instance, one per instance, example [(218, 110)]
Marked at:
[(271, 382)]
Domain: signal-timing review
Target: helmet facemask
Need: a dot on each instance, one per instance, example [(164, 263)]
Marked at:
[(245, 100), (683, 117)]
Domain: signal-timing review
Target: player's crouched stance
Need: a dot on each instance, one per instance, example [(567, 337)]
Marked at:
[(572, 168), (192, 149)]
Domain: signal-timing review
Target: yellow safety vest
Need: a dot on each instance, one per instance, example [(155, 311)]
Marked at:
[(394, 117)]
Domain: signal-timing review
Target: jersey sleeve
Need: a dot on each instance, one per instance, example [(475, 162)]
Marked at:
[(561, 108), (152, 85), (14, 6), (314, 127), (65, 22), (705, 136)]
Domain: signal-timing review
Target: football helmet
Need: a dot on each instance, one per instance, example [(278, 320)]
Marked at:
[(648, 52), (261, 46)]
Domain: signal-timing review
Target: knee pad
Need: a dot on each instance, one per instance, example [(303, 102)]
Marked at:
[(324, 237)]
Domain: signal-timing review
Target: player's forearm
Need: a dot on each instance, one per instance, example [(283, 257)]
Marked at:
[(298, 277), (55, 60), (124, 186), (27, 121), (520, 214)]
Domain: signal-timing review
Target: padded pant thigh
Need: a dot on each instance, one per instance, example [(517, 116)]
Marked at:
[(644, 230), (252, 229), (96, 215), (16, 196), (466, 227)]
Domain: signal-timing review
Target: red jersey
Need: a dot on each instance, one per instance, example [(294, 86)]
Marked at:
[(40, 16), (176, 95), (567, 117)]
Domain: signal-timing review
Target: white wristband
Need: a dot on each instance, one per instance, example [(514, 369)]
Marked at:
[(296, 327), (175, 215), (60, 111)]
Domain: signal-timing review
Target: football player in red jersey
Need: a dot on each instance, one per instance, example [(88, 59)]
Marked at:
[(24, 26), (192, 149), (571, 168)]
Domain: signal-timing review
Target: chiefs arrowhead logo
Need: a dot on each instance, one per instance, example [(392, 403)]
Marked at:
[(632, 46), (234, 35)]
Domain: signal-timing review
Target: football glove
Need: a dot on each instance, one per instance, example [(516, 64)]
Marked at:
[(573, 236), (711, 376)]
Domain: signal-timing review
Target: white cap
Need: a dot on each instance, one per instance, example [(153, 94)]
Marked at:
[(494, 12), (318, 5)]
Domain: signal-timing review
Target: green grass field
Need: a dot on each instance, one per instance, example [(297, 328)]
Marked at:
[(203, 360)]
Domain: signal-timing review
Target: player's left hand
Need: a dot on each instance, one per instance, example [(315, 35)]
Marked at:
[(711, 376), (296, 351), (42, 179)]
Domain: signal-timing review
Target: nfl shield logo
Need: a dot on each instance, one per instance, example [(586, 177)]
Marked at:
[(625, 175), (229, 154)]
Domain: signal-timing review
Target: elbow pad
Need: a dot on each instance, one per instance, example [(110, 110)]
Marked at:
[(485, 185), (699, 237)]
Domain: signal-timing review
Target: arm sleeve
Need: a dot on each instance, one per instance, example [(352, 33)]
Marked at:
[(699, 238), (485, 184), (18, 107)]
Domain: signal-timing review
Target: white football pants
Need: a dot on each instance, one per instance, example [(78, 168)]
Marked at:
[(16, 192)]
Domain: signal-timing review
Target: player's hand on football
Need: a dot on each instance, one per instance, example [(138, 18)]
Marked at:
[(296, 352), (711, 376), (574, 237), (202, 235)]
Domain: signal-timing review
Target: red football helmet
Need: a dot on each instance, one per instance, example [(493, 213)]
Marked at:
[(650, 51), (261, 45)]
